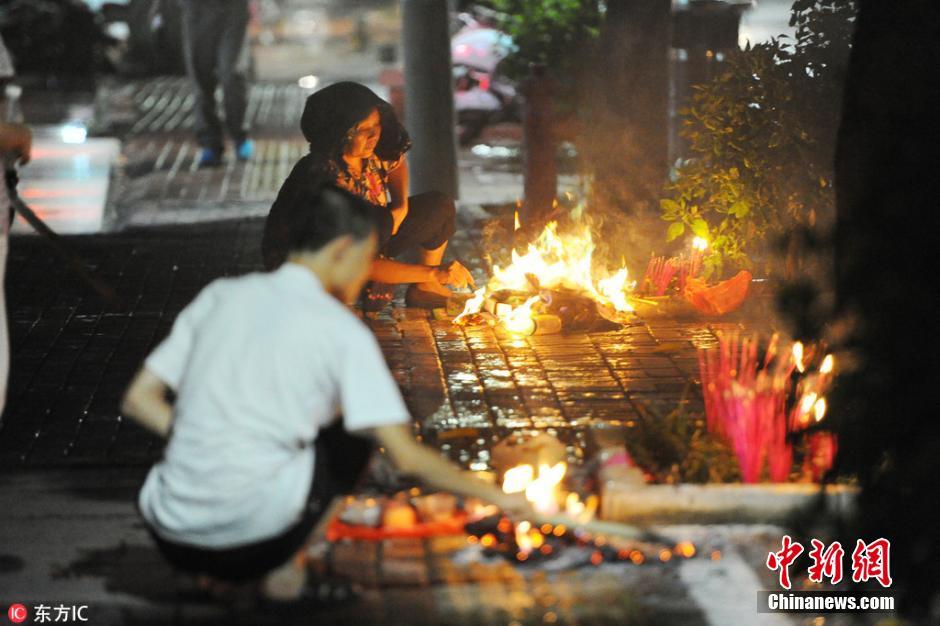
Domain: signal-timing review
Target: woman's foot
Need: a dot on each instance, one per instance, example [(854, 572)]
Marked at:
[(434, 287), (421, 297)]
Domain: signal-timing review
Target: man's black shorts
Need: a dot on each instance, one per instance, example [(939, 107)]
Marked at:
[(340, 460)]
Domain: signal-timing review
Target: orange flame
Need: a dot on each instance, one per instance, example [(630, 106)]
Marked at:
[(554, 261)]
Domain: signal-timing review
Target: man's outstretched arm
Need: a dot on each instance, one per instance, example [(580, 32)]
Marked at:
[(145, 402), (411, 457)]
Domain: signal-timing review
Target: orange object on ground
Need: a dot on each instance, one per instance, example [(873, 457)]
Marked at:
[(720, 298), (338, 530)]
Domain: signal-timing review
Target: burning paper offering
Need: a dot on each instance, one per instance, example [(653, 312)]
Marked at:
[(555, 284)]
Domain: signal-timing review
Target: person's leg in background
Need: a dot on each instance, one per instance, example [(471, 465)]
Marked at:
[(201, 38), (233, 60), (4, 331)]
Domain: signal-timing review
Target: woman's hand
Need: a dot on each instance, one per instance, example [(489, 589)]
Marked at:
[(454, 274)]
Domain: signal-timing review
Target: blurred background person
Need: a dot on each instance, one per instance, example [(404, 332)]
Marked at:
[(15, 145), (217, 52)]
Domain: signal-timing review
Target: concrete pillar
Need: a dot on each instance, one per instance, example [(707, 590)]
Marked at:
[(429, 97)]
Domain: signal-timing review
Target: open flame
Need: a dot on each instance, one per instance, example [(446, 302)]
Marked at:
[(519, 320), (543, 489), (540, 489), (516, 479), (553, 261), (542, 492)]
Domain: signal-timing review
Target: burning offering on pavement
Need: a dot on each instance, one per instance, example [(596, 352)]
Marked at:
[(555, 285)]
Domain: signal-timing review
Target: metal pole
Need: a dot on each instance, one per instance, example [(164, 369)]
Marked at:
[(429, 97)]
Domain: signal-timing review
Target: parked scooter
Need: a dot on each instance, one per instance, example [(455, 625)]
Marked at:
[(482, 95), (479, 101)]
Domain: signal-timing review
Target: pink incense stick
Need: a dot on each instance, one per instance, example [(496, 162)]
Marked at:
[(745, 403)]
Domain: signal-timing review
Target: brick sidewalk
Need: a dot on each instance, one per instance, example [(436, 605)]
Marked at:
[(72, 358)]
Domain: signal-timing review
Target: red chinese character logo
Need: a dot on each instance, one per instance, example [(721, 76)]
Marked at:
[(782, 560), (826, 563), (872, 561)]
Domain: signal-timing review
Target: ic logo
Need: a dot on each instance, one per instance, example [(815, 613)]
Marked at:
[(17, 613)]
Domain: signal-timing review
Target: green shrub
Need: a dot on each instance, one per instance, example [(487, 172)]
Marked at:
[(761, 137)]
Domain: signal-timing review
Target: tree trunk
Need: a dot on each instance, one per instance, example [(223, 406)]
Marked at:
[(540, 172), (626, 125), (887, 194), (638, 37)]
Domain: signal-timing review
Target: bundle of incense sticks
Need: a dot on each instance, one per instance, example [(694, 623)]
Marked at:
[(659, 273), (689, 267), (745, 402)]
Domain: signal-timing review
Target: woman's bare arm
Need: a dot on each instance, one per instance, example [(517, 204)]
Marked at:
[(398, 187), (396, 272), (145, 402)]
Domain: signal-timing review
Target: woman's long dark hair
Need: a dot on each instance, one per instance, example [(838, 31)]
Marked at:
[(333, 111)]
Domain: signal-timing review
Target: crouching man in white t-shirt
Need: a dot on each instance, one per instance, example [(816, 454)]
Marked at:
[(260, 364)]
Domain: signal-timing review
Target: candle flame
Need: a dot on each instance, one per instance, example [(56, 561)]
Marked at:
[(827, 365), (806, 405), (798, 356), (819, 409)]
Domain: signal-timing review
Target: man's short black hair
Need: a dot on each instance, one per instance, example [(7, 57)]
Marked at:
[(321, 213)]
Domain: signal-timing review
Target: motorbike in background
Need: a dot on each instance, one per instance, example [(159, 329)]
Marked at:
[(482, 94)]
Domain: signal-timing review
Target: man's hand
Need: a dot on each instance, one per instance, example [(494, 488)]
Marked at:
[(454, 274), (516, 507), (16, 139)]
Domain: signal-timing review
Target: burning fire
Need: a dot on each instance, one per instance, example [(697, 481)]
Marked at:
[(543, 490), (553, 261)]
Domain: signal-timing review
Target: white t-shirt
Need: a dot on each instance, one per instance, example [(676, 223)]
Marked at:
[(259, 364)]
